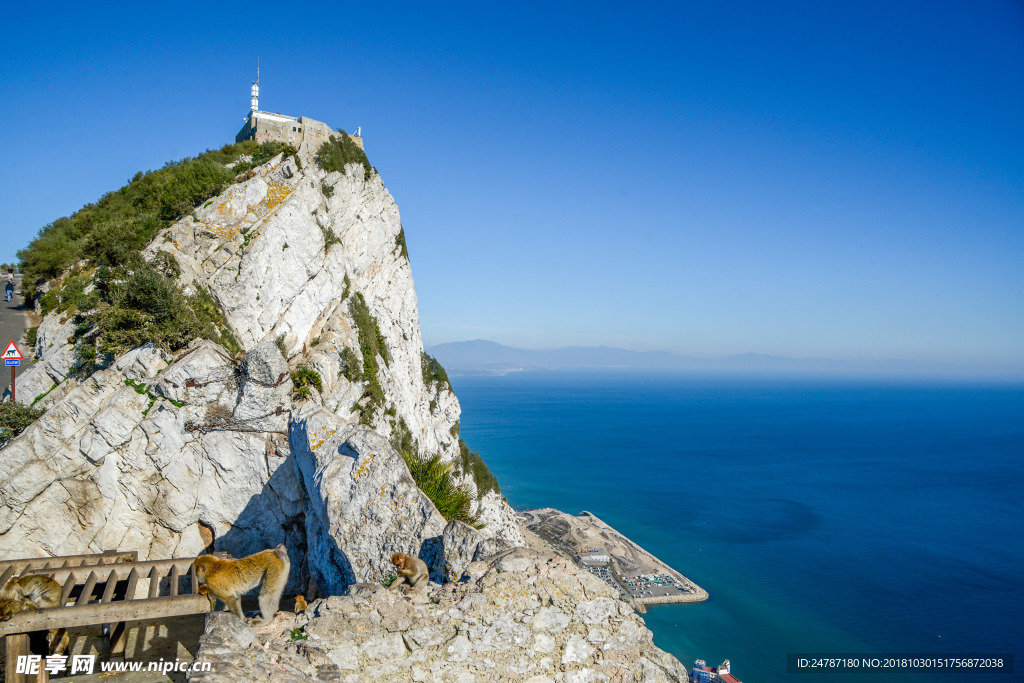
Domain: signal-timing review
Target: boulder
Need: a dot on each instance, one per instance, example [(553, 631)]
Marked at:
[(363, 503)]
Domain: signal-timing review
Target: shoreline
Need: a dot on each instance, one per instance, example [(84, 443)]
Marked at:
[(562, 539), (698, 594)]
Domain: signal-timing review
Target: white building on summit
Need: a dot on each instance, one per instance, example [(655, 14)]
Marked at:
[(265, 126)]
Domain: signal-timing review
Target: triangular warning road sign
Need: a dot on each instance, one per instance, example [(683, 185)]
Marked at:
[(12, 352)]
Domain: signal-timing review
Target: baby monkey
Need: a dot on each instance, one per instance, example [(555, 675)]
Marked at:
[(411, 570), (229, 580)]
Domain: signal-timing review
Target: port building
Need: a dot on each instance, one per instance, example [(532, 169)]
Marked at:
[(594, 560)]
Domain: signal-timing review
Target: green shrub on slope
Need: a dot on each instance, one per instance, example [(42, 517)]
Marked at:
[(433, 477), (136, 304), (14, 419), (340, 150), (433, 372), (372, 345), (303, 378), (473, 464), (115, 228)]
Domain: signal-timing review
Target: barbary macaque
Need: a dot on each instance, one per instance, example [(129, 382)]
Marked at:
[(300, 603), (229, 580), (412, 571), (32, 591)]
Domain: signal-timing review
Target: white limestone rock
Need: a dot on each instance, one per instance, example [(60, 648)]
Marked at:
[(460, 543), (203, 374), (108, 467), (478, 628), (363, 503), (265, 389)]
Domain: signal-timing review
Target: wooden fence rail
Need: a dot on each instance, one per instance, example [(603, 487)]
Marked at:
[(100, 589)]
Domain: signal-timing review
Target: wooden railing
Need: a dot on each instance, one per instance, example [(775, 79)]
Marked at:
[(100, 589)]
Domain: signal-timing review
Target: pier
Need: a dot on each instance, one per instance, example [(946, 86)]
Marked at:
[(596, 547)]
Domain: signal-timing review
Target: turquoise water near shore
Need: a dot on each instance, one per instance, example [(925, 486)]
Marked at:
[(821, 515)]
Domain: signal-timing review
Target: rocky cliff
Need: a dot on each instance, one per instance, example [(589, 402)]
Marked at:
[(174, 455), (309, 424)]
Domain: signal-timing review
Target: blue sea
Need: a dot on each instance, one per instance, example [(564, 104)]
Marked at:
[(845, 516)]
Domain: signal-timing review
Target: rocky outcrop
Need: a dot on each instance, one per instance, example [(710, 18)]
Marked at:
[(148, 456), (521, 616), (363, 504), (284, 252), (173, 456)]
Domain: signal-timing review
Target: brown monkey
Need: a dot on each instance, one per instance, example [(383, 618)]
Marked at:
[(37, 592), (300, 603), (411, 570), (32, 591), (229, 580)]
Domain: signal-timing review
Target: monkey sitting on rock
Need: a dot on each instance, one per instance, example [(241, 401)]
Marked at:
[(412, 571), (229, 580)]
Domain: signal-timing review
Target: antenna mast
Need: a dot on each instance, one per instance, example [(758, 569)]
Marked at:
[(255, 99)]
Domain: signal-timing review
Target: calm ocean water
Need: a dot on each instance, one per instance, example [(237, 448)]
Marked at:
[(821, 516)]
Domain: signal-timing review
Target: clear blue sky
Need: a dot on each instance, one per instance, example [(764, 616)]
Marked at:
[(799, 179)]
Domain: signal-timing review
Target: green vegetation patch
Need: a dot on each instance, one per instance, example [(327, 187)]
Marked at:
[(473, 464), (137, 304), (14, 419), (351, 367), (329, 238), (31, 334), (139, 387), (43, 395), (303, 378), (372, 345), (70, 296), (113, 230), (433, 477), (143, 389), (340, 150), (400, 242), (347, 289), (433, 372)]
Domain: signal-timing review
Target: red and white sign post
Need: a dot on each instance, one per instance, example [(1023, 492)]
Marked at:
[(13, 358)]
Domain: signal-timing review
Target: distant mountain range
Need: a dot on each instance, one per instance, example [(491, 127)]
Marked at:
[(483, 357)]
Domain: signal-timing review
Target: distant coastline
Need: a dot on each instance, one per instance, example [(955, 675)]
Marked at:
[(481, 357)]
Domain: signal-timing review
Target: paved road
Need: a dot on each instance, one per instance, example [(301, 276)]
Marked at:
[(13, 322)]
